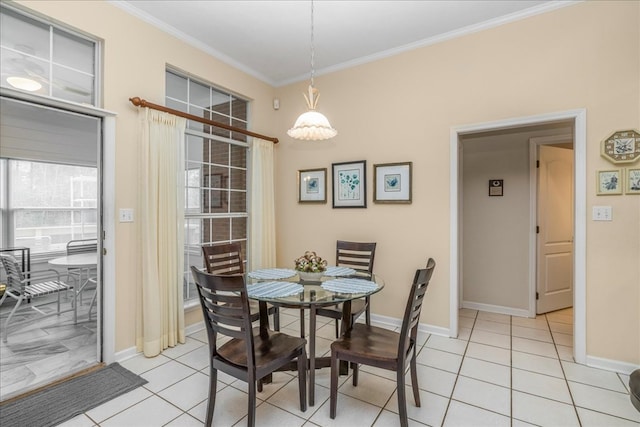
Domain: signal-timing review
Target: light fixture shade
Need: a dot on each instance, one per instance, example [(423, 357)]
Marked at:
[(312, 126), (24, 83)]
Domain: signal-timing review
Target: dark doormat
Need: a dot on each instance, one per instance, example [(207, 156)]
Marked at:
[(63, 401)]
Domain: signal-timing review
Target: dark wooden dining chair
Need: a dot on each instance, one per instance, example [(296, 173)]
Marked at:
[(382, 348), (226, 258), (251, 354), (360, 257)]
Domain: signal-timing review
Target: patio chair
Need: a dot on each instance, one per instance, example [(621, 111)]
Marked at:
[(28, 285), (75, 274), (251, 354), (383, 348)]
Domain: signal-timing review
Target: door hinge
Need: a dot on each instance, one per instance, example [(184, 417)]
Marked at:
[(537, 229), (104, 251), (537, 296), (537, 163)]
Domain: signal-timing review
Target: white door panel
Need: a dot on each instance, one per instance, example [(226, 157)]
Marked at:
[(555, 236)]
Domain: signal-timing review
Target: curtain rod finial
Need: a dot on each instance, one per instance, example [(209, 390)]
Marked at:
[(136, 101)]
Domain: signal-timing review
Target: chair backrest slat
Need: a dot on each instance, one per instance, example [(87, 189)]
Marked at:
[(15, 278), (356, 255), (225, 308), (224, 258), (413, 309), (82, 246)]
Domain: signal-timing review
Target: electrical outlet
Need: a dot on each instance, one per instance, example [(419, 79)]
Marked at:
[(126, 215), (602, 213)]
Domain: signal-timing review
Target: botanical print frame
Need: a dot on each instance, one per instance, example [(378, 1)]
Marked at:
[(392, 182), (609, 182), (632, 181), (350, 184), (312, 186)]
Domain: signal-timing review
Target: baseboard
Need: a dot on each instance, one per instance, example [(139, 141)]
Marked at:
[(611, 365), (125, 354), (518, 312), (386, 322), (130, 352)]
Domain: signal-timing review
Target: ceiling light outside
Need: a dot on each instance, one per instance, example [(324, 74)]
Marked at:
[(24, 83), (312, 125)]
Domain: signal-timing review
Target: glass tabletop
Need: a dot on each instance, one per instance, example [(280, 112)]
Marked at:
[(314, 294)]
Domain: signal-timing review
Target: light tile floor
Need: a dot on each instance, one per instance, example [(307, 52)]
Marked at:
[(501, 371)]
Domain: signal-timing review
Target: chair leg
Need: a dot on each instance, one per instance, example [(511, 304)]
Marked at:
[(302, 322), (213, 383), (402, 399), (251, 410), (367, 312), (276, 319), (414, 379), (302, 379), (338, 329), (4, 296), (260, 385), (354, 368), (6, 324), (333, 403)]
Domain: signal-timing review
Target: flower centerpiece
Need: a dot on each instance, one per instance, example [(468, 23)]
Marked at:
[(310, 266)]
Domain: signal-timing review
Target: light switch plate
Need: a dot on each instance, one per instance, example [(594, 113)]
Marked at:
[(126, 215), (602, 213)]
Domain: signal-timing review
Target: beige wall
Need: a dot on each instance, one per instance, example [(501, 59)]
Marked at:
[(402, 108), (399, 109)]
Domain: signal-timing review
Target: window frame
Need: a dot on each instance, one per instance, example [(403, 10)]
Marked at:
[(192, 249), (53, 27)]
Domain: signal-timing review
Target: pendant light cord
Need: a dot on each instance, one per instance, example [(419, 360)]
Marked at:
[(312, 47)]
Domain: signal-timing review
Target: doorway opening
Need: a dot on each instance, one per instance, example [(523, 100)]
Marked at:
[(59, 154), (522, 301)]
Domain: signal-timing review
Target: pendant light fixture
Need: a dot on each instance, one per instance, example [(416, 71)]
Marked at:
[(312, 125)]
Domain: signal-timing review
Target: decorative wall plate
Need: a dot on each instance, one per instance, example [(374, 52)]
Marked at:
[(622, 146)]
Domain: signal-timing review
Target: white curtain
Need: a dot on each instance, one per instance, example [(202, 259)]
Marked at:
[(161, 225), (262, 234)]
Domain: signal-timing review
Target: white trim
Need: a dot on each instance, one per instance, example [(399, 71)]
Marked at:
[(109, 242), (461, 32), (130, 8), (580, 165), (392, 322), (130, 352), (510, 311), (611, 365)]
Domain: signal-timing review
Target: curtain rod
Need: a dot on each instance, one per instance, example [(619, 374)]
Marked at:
[(143, 103)]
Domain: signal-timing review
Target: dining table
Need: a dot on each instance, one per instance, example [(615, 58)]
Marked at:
[(285, 288), (85, 262)]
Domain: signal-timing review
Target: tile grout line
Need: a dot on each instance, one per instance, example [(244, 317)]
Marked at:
[(555, 346), (475, 318)]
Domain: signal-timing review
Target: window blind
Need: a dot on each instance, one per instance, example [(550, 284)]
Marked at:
[(38, 133)]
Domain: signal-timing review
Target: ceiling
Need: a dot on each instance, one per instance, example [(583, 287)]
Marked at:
[(271, 40)]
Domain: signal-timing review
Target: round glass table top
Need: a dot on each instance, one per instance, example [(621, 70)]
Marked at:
[(326, 291)]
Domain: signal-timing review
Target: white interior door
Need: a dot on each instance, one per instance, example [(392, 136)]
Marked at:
[(555, 235)]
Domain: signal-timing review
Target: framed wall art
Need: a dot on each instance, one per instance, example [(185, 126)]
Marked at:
[(632, 181), (350, 184), (609, 182), (392, 182), (312, 186)]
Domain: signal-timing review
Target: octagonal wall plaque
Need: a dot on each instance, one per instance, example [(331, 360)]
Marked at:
[(622, 147)]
